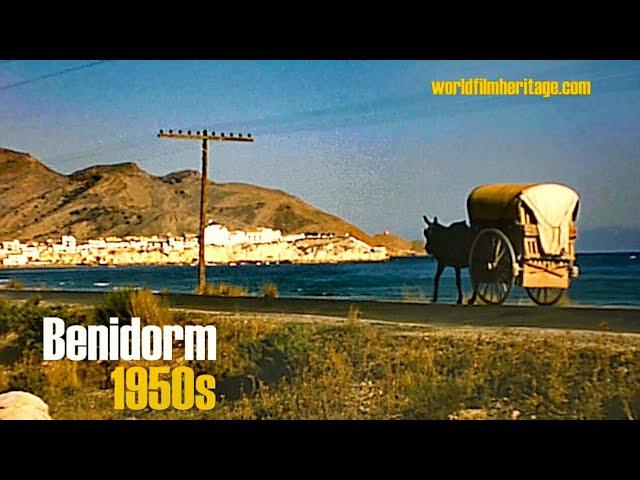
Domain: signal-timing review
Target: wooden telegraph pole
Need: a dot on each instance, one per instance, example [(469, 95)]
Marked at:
[(205, 137)]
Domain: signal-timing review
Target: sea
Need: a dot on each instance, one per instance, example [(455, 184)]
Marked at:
[(606, 279)]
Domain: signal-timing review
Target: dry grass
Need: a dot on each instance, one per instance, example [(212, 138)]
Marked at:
[(270, 369), (414, 295), (151, 308), (354, 315), (127, 303), (224, 290), (15, 284), (270, 290)]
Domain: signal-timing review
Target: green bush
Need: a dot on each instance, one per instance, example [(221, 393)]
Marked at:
[(278, 355), (25, 320)]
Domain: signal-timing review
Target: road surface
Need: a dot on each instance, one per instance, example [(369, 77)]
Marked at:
[(581, 318)]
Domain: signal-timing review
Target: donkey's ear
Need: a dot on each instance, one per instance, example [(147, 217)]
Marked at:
[(435, 220), (426, 220)]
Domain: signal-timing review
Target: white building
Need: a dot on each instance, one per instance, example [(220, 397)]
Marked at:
[(67, 245), (294, 237), (69, 242), (11, 246), (263, 235), (238, 237), (176, 244), (15, 260), (190, 241), (99, 243), (31, 253), (215, 234)]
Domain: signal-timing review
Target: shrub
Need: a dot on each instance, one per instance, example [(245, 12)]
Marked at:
[(224, 290), (128, 303), (15, 284), (150, 308), (278, 355), (114, 304), (28, 375), (270, 290), (25, 320), (354, 315)]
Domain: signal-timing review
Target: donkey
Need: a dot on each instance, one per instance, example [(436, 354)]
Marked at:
[(450, 245)]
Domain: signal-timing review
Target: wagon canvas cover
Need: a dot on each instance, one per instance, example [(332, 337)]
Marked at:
[(552, 204)]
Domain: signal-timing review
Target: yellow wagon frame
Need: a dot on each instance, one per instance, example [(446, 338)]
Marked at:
[(500, 208)]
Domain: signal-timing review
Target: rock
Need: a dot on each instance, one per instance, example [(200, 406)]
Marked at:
[(23, 406), (514, 415)]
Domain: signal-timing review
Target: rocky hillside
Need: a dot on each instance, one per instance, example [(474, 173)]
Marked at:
[(38, 203), (397, 245)]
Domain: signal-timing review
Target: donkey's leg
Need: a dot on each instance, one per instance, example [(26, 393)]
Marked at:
[(436, 281), (459, 285)]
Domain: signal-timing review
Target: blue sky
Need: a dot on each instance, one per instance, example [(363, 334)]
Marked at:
[(364, 140)]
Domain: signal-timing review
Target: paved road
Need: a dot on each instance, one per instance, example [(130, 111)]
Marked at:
[(590, 318)]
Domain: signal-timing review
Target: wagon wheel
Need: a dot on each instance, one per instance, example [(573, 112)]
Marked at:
[(491, 265), (545, 296)]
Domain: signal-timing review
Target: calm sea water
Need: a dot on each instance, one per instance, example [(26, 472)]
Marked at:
[(605, 279)]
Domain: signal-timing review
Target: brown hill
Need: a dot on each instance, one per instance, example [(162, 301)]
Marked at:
[(398, 245), (38, 203)]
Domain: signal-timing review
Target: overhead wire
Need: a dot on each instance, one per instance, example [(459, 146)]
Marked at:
[(51, 75), (375, 112)]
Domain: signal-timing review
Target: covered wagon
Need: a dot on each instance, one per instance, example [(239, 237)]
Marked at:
[(523, 234)]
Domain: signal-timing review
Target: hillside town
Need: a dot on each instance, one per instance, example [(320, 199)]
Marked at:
[(222, 246)]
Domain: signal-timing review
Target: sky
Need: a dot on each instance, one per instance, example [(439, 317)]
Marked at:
[(364, 140)]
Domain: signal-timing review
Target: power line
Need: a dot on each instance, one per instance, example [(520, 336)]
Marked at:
[(51, 75), (374, 112)]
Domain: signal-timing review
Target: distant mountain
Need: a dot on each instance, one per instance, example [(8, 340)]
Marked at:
[(38, 203)]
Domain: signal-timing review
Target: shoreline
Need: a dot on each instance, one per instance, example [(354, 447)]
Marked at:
[(57, 266), (230, 264)]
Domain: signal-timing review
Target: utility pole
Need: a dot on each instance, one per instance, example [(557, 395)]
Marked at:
[(205, 137)]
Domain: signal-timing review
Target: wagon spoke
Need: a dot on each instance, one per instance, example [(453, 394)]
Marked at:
[(544, 295), (491, 262), (499, 252)]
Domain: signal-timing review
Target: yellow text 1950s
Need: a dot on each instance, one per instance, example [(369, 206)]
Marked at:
[(159, 388)]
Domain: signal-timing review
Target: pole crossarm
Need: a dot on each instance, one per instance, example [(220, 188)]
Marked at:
[(196, 136)]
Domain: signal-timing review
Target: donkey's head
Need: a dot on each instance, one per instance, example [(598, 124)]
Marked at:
[(428, 233)]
